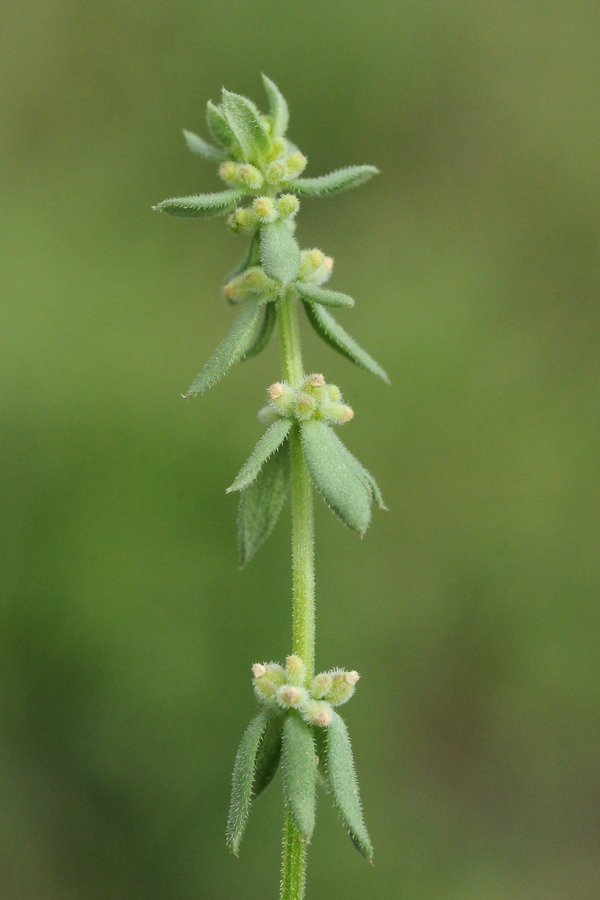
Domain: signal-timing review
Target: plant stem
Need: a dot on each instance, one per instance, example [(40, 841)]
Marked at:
[(303, 560)]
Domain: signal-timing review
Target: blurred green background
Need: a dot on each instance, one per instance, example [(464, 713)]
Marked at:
[(127, 630)]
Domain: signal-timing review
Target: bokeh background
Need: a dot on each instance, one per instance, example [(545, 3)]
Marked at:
[(471, 608)]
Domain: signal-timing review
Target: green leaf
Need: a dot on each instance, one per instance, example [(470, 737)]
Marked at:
[(299, 770), (198, 145), (337, 337), (333, 183), (278, 107), (201, 205), (279, 252), (231, 349), (252, 258), (218, 125), (261, 503), (271, 440), (244, 121), (265, 332), (243, 777), (268, 756), (334, 471), (341, 776), (322, 296), (371, 485)]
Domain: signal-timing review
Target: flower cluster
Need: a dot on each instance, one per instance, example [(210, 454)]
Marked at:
[(289, 688), (313, 399)]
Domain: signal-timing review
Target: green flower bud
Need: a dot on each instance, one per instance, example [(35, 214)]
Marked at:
[(343, 686), (337, 413), (282, 398), (250, 283), (317, 712), (228, 171), (288, 205), (333, 393), (276, 172), (311, 265), (265, 210), (267, 679), (296, 163), (250, 176), (279, 146), (305, 407), (321, 685), (295, 670), (290, 696), (242, 220), (314, 386)]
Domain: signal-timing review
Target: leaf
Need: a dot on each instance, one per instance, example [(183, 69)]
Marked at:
[(218, 126), (271, 440), (230, 350), (333, 470), (333, 183), (322, 296), (278, 107), (371, 485), (337, 337), (201, 205), (198, 145), (243, 777), (261, 504), (268, 756), (252, 258), (265, 332), (299, 771), (341, 776), (244, 121), (279, 252)]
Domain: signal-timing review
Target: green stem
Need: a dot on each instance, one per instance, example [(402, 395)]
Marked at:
[(303, 559)]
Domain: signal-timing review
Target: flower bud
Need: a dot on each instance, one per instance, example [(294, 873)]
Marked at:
[(314, 386), (250, 176), (321, 685), (228, 171), (333, 393), (295, 670), (343, 686), (305, 407), (282, 397), (317, 712), (265, 210), (288, 205), (267, 415), (251, 282), (242, 219), (267, 679), (337, 413), (276, 172), (289, 696), (296, 163), (279, 146)]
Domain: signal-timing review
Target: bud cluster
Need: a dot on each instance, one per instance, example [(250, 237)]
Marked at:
[(315, 267), (264, 211), (278, 167), (251, 283), (289, 688), (313, 399)]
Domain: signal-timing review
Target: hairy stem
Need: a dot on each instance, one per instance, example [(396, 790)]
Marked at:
[(303, 557)]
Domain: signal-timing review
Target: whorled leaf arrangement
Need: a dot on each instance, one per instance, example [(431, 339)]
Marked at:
[(297, 725)]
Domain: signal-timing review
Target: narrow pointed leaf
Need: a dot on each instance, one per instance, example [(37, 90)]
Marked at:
[(201, 205), (261, 503), (299, 771), (371, 485), (279, 252), (271, 440), (334, 472), (337, 337), (243, 777), (341, 776), (198, 145), (278, 107), (218, 125), (252, 258), (264, 333), (268, 756), (230, 350), (333, 183), (322, 296), (244, 121)]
